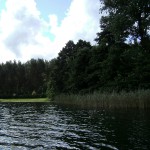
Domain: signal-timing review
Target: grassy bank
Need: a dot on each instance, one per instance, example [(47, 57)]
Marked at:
[(136, 99), (25, 100)]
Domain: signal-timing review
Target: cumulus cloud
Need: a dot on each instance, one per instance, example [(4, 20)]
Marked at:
[(24, 32), (81, 22), (22, 29), (20, 24)]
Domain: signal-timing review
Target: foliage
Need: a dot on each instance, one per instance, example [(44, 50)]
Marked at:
[(20, 80), (50, 91), (125, 19)]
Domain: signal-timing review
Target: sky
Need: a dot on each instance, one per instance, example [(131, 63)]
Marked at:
[(41, 28)]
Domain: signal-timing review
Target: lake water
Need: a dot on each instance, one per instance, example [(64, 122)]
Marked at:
[(42, 126)]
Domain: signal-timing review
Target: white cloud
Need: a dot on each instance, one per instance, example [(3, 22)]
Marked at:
[(22, 29), (81, 21)]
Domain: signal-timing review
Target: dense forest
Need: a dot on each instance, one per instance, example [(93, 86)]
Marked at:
[(119, 61), (23, 79)]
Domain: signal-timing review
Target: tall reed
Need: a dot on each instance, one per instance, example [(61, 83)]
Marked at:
[(136, 99)]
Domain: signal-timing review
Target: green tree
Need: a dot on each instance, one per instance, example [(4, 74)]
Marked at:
[(78, 71), (74, 62), (50, 92), (63, 65), (126, 19)]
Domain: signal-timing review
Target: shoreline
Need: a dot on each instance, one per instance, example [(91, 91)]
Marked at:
[(134, 99), (25, 100)]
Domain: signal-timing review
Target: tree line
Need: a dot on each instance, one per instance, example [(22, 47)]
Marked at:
[(119, 61), (23, 80)]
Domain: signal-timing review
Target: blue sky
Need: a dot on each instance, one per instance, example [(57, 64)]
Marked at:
[(58, 7), (47, 7), (2, 4), (41, 28)]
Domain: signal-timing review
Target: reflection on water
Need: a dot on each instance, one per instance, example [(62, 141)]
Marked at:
[(25, 126)]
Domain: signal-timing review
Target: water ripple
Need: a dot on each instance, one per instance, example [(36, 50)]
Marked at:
[(43, 127)]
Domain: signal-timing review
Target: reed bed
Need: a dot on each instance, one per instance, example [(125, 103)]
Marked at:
[(137, 99)]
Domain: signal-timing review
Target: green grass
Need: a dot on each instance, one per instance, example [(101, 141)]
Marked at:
[(25, 100), (136, 99)]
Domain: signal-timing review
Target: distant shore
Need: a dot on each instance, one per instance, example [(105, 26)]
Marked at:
[(25, 100), (136, 99)]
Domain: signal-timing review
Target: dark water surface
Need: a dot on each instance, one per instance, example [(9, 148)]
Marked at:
[(42, 126)]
